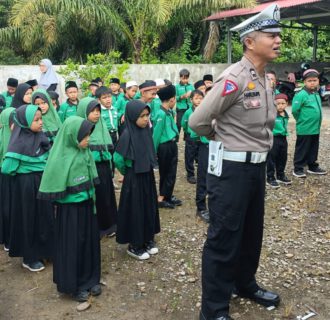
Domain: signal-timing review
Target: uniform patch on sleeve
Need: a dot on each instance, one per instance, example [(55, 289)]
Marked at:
[(229, 87)]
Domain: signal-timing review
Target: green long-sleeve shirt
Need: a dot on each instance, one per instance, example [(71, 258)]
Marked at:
[(121, 106), (66, 110), (183, 104), (116, 96), (155, 107), (281, 125), (12, 165), (110, 117), (165, 128), (8, 98), (307, 110), (121, 163)]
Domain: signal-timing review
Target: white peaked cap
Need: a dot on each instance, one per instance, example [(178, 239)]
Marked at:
[(268, 20)]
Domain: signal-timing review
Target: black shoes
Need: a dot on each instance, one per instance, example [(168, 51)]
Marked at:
[(165, 204), (174, 200), (204, 215), (273, 183), (284, 180), (317, 171), (191, 180), (96, 290), (262, 296), (225, 317), (81, 296), (299, 173)]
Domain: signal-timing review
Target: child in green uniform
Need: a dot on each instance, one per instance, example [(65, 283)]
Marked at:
[(22, 95), (51, 122), (12, 84), (156, 102), (93, 86), (191, 148), (115, 87), (69, 107), (271, 76), (32, 220), (307, 111), (100, 144), (2, 103), (183, 91), (130, 92), (278, 155), (138, 217), (69, 179), (208, 80), (6, 181), (200, 85), (165, 133)]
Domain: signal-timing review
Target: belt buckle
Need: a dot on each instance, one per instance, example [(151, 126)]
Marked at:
[(256, 157)]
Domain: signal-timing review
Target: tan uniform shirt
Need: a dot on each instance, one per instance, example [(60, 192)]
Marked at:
[(239, 110)]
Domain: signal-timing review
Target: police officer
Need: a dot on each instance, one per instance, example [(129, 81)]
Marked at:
[(239, 111)]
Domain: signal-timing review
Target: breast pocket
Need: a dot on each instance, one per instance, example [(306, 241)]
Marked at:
[(253, 111)]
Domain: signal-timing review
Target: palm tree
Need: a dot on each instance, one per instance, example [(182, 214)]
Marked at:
[(43, 27)]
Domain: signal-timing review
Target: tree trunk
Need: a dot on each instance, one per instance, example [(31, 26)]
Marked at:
[(137, 51), (212, 42)]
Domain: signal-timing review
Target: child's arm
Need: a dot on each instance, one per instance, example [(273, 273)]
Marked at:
[(119, 163), (184, 121), (10, 166), (297, 103), (159, 125), (61, 112)]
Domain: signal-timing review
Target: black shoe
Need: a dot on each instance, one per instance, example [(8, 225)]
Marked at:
[(174, 200), (225, 317), (34, 266), (204, 215), (151, 247), (317, 171), (81, 296), (262, 296), (138, 253), (273, 183), (166, 205), (284, 180), (299, 173), (96, 290), (191, 180)]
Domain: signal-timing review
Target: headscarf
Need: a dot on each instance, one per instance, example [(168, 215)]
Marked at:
[(69, 169), (51, 122), (19, 95), (136, 143), (24, 142), (100, 139), (49, 77), (6, 119)]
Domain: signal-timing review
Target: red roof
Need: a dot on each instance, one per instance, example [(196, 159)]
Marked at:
[(241, 12)]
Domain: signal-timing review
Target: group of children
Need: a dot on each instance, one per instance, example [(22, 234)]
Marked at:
[(57, 195), (58, 162)]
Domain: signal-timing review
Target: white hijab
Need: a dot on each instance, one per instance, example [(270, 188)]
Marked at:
[(49, 77)]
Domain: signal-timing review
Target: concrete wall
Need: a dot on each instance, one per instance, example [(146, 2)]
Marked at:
[(148, 71)]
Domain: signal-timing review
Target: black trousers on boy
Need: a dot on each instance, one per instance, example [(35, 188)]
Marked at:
[(201, 191), (114, 138), (167, 162), (232, 249), (306, 152), (277, 158), (190, 155)]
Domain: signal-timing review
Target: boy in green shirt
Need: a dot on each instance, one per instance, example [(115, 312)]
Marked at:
[(307, 111), (11, 89), (165, 134), (69, 107), (278, 155), (115, 87), (92, 88), (183, 91)]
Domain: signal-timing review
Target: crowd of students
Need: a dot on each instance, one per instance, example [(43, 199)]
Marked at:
[(57, 191)]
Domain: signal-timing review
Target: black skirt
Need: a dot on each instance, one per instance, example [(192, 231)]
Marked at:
[(6, 185), (106, 205), (77, 262), (138, 216), (31, 221)]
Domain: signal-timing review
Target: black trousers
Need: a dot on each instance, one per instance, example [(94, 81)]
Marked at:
[(201, 191), (277, 158), (232, 249), (306, 152), (168, 162), (190, 155), (179, 115), (114, 138)]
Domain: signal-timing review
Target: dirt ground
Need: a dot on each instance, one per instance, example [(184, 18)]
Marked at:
[(295, 262)]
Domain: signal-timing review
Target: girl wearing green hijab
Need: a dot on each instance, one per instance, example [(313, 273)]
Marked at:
[(32, 220), (69, 179), (6, 182), (100, 144), (51, 122)]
